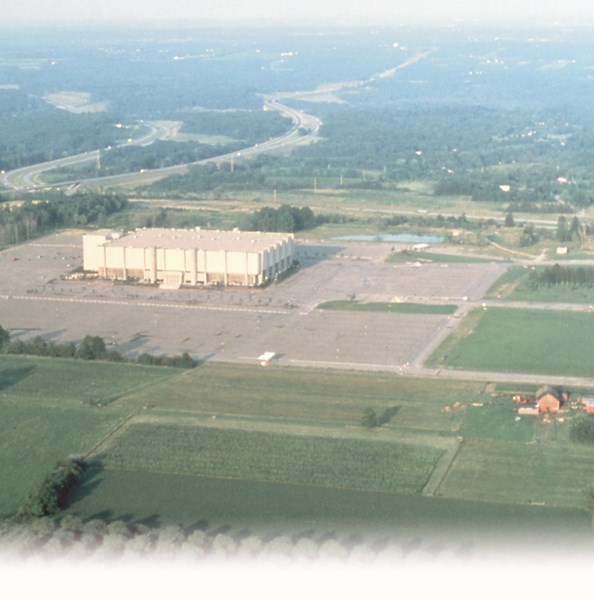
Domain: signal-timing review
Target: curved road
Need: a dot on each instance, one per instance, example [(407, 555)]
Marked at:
[(304, 130)]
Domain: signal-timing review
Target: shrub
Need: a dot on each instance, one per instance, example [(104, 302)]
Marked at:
[(53, 492), (582, 430)]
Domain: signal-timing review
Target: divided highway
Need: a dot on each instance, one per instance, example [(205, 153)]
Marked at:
[(305, 129)]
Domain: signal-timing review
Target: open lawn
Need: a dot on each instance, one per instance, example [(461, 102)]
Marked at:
[(521, 341), (499, 422), (389, 307)]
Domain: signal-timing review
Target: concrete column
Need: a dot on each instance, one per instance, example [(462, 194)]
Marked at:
[(104, 252), (124, 262), (193, 266), (226, 272), (152, 264)]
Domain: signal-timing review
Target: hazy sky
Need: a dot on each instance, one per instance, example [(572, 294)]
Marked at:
[(22, 12)]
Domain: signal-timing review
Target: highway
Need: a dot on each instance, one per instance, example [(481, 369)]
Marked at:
[(305, 129)]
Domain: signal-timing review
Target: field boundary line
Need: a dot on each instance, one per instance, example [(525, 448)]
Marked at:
[(110, 433), (434, 492)]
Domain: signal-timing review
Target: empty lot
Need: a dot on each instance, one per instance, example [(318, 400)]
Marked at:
[(239, 325)]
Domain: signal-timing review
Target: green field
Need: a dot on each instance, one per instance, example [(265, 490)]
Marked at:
[(161, 499), (63, 380), (546, 472), (498, 423), (50, 411), (389, 307), (265, 456), (237, 445), (521, 341), (514, 286), (310, 396)]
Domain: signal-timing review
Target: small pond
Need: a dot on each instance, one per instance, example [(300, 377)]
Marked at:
[(403, 238)]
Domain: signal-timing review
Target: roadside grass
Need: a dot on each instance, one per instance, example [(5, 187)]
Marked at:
[(244, 508), (501, 471), (332, 398), (520, 341), (514, 286), (407, 257), (263, 456), (389, 307)]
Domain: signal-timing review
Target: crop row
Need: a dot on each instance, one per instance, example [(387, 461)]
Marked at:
[(356, 464)]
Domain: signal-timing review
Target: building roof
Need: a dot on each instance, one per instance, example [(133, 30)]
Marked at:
[(543, 391), (203, 239)]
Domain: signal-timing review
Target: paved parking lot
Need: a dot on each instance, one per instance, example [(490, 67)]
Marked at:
[(239, 325)]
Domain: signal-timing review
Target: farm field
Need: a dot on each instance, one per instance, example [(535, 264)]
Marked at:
[(50, 410), (236, 445), (557, 474), (207, 503), (520, 341), (309, 396), (64, 381), (351, 463)]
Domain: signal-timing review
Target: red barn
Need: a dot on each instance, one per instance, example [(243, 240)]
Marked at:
[(550, 400)]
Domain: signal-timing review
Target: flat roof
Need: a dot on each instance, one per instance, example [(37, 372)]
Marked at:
[(202, 239)]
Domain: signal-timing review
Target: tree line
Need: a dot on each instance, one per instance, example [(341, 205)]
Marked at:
[(19, 223), (284, 218), (558, 275), (91, 347), (52, 494)]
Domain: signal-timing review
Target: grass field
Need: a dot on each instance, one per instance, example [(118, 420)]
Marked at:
[(514, 285), (160, 499), (498, 423), (389, 307), (48, 414), (310, 396), (545, 472), (521, 341), (63, 380)]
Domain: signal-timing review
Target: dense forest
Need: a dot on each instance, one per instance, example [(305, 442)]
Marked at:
[(23, 221), (33, 132)]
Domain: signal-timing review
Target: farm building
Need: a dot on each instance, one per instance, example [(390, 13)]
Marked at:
[(550, 400), (176, 257), (546, 400)]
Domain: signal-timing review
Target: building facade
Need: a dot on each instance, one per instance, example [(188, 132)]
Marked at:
[(176, 257)]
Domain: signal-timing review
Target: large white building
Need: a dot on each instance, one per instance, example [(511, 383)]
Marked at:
[(175, 257)]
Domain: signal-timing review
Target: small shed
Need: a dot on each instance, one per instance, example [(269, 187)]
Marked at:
[(588, 404), (550, 400)]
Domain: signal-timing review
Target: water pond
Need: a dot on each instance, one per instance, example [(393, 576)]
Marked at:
[(403, 238)]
